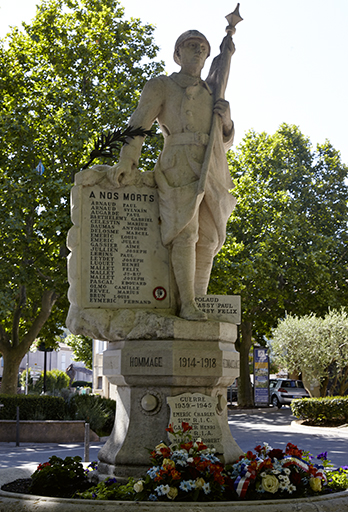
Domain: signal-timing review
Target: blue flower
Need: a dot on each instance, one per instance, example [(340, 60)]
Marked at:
[(152, 472), (187, 485), (322, 456), (206, 488), (153, 497), (110, 481), (162, 490)]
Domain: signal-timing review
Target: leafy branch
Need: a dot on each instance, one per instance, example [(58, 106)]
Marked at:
[(106, 144)]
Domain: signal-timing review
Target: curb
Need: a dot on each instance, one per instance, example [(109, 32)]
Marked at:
[(337, 431)]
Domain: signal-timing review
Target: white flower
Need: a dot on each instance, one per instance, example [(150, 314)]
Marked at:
[(138, 486), (287, 471), (190, 459), (291, 488), (270, 483)]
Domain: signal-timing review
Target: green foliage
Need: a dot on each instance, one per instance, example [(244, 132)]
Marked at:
[(319, 410), (82, 348), (56, 380), (338, 480), (22, 379), (59, 478), (315, 346), (286, 241), (64, 80), (99, 412), (110, 490), (32, 407)]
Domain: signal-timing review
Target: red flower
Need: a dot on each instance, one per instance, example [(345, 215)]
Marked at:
[(202, 465), (250, 455), (185, 426), (201, 446), (159, 475), (186, 446), (295, 478), (266, 464), (166, 452), (258, 449), (170, 429), (219, 478), (276, 453), (175, 474), (293, 451), (44, 465)]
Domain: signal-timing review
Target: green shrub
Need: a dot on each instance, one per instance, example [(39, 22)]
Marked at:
[(97, 411), (321, 409), (59, 478), (32, 407), (56, 380)]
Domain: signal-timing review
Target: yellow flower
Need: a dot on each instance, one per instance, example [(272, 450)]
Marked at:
[(138, 486), (270, 483), (315, 484), (172, 493), (168, 463), (199, 483)]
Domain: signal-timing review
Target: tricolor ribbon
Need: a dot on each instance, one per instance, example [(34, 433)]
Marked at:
[(241, 484)]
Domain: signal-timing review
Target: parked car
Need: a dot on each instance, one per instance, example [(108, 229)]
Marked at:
[(283, 391)]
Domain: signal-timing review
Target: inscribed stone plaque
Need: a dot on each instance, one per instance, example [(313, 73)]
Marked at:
[(225, 308), (200, 412), (123, 261)]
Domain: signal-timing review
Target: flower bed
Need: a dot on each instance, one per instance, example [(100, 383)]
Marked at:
[(187, 471)]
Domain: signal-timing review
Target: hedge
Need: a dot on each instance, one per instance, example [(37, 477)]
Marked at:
[(32, 407), (321, 409)]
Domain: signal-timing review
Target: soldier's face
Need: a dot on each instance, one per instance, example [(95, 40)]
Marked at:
[(193, 54)]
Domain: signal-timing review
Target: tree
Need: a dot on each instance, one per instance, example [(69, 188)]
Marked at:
[(286, 246), (317, 346), (64, 79), (82, 348)]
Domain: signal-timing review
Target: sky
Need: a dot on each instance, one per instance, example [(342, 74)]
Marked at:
[(290, 63)]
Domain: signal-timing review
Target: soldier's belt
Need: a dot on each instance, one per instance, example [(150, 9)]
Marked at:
[(197, 138)]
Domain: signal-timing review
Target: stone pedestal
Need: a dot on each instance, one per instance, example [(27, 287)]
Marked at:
[(190, 371)]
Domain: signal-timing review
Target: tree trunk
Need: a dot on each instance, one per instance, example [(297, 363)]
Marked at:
[(245, 396), (13, 353), (323, 387), (12, 360)]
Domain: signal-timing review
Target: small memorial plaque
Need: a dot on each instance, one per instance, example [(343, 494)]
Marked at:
[(200, 412), (124, 263), (225, 308)]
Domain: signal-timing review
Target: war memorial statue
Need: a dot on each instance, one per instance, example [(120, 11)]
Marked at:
[(142, 247), (193, 182)]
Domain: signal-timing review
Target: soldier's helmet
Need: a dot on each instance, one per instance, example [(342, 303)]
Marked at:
[(189, 34)]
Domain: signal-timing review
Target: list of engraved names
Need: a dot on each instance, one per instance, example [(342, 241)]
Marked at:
[(124, 262)]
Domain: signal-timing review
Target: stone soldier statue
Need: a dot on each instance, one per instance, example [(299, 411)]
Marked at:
[(194, 209)]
